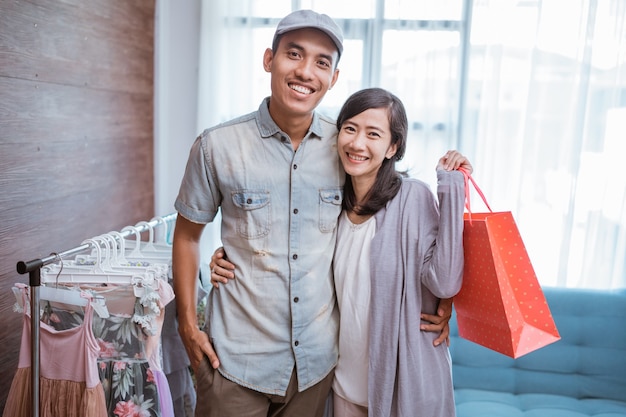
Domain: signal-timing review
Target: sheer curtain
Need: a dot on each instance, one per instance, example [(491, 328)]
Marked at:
[(545, 116), (533, 91)]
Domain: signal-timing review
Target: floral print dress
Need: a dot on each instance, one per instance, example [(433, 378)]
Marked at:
[(129, 358)]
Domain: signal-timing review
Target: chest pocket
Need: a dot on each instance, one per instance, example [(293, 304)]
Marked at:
[(330, 207), (253, 216)]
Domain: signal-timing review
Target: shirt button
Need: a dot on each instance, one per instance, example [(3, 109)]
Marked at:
[(296, 343), (295, 166), (283, 138), (296, 299), (249, 201), (295, 256), (295, 211), (336, 197)]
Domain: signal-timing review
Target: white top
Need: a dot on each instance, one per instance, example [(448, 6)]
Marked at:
[(352, 283)]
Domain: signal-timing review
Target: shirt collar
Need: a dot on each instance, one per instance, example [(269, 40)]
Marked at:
[(268, 128)]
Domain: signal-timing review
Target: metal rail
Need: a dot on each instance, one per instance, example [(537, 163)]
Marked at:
[(33, 268)]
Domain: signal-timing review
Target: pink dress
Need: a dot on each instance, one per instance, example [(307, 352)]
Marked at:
[(69, 382)]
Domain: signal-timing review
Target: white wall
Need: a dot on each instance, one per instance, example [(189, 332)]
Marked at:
[(177, 93), (177, 43)]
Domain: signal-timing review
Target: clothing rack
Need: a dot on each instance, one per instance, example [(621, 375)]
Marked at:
[(33, 268)]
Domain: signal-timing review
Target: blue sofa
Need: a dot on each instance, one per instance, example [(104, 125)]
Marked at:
[(583, 374)]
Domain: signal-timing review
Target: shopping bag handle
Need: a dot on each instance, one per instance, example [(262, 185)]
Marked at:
[(468, 179)]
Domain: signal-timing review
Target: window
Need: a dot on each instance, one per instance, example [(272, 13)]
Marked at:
[(533, 91)]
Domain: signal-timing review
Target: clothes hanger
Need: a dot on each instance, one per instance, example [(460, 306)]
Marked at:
[(151, 245), (160, 269), (164, 240), (64, 297), (96, 274), (150, 255), (105, 269), (113, 260), (147, 246)]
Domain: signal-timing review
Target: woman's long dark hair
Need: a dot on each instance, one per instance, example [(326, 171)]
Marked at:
[(388, 179)]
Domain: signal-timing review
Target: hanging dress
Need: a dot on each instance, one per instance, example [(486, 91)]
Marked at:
[(130, 365), (69, 382), (129, 361)]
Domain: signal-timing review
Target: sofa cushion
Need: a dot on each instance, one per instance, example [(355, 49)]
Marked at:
[(584, 372), (481, 403)]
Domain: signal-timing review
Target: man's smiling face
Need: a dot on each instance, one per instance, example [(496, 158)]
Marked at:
[(302, 70)]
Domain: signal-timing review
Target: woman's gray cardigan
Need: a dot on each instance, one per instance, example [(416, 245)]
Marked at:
[(416, 258)]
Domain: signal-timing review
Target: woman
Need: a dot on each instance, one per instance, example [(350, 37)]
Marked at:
[(398, 252)]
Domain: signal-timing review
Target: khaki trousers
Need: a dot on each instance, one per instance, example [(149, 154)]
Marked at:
[(221, 397)]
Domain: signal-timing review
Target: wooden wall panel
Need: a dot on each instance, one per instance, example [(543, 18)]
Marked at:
[(58, 42), (76, 133)]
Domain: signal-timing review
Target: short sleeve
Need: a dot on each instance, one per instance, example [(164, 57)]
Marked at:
[(198, 197)]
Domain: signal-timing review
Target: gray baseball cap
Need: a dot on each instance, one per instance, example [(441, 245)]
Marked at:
[(301, 19)]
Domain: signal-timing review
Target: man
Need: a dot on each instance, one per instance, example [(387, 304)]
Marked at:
[(272, 335)]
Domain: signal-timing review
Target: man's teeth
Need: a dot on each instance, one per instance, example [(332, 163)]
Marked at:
[(301, 89)]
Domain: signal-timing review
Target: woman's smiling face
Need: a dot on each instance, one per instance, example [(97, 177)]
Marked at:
[(364, 141)]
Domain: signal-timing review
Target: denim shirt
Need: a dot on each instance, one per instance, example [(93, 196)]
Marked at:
[(279, 214)]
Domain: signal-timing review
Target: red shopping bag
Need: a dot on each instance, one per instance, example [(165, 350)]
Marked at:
[(500, 305)]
